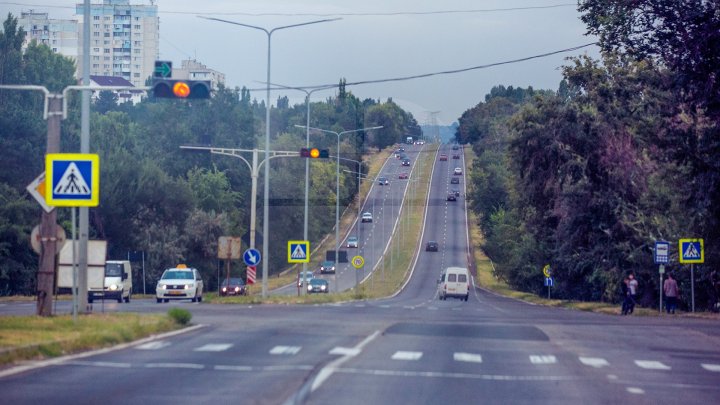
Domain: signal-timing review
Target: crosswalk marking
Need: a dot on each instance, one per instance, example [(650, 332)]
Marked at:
[(594, 362), (651, 365), (401, 355), (467, 357), (218, 347), (345, 351), (711, 367), (544, 359), (288, 350), (635, 390), (159, 344)]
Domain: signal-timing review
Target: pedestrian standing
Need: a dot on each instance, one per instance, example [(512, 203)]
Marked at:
[(670, 288), (624, 293), (632, 286)]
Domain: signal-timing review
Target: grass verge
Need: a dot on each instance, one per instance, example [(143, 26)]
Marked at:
[(34, 337)]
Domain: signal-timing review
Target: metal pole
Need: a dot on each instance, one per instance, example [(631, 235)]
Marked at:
[(307, 180), (143, 268), (660, 290), (692, 285), (253, 199), (337, 202), (266, 196), (74, 268), (84, 148)]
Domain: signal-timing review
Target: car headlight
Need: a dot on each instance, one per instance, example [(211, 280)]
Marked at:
[(237, 289), (224, 289), (161, 286), (332, 268), (309, 287), (189, 286), (113, 287), (322, 287)]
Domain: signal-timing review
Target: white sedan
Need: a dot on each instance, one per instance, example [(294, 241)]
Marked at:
[(457, 171)]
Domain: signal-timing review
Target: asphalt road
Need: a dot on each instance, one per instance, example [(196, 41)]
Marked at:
[(408, 349)]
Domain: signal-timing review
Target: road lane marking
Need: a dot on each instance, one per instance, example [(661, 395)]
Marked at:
[(635, 390), (594, 362), (403, 355), (217, 347), (711, 367), (651, 365), (289, 350), (467, 357), (328, 370), (536, 359), (345, 351), (153, 345), (440, 374), (232, 368), (193, 366), (98, 364)]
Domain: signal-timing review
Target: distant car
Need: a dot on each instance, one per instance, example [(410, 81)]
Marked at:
[(328, 266), (457, 171), (318, 285), (455, 147), (443, 158), (308, 275), (383, 181), (233, 286), (454, 180), (402, 149), (352, 242), (431, 246), (456, 156), (456, 192), (406, 162), (179, 283), (451, 196), (366, 217), (403, 176)]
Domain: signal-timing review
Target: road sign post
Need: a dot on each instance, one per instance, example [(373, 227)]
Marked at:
[(692, 251), (357, 262), (661, 258)]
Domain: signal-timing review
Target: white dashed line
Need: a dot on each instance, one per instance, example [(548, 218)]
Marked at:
[(233, 368), (402, 355), (345, 351), (534, 359), (219, 347), (594, 362), (175, 365), (635, 390), (651, 365), (289, 350), (98, 364), (711, 367), (159, 344), (467, 357)]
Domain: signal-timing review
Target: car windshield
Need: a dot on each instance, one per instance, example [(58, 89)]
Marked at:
[(113, 269), (233, 281), (318, 281), (177, 275), (328, 264), (352, 239)]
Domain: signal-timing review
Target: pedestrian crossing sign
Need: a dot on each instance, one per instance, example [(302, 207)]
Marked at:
[(298, 251), (73, 180), (692, 250)]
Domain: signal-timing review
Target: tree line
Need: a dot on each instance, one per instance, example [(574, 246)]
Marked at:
[(170, 203), (625, 153)]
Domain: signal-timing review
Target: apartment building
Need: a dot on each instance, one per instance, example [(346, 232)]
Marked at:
[(191, 69), (60, 35), (124, 39)]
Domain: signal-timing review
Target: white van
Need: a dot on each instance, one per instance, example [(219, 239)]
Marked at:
[(115, 283), (454, 282)]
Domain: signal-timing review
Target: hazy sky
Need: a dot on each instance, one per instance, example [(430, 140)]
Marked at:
[(370, 46)]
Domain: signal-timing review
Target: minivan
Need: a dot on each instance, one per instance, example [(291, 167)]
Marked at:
[(454, 282)]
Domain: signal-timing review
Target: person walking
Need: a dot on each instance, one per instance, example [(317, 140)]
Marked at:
[(632, 287), (670, 288)]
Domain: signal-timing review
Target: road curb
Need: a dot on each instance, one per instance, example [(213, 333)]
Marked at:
[(62, 359)]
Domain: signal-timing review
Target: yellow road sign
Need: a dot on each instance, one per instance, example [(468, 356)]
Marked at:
[(72, 179), (546, 270), (358, 261)]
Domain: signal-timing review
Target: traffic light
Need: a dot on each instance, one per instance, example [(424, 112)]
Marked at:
[(163, 88), (314, 153)]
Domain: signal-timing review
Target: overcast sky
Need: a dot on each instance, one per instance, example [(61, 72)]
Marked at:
[(369, 47)]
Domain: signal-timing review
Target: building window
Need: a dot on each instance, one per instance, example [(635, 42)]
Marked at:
[(136, 74), (106, 66), (138, 26), (96, 49), (95, 65), (96, 34), (55, 50), (96, 17), (107, 35), (107, 50)]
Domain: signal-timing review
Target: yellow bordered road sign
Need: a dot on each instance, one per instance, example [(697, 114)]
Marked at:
[(298, 251), (546, 271), (358, 261), (72, 180), (691, 250)]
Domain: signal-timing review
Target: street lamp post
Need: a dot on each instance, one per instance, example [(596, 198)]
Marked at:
[(266, 196), (337, 178)]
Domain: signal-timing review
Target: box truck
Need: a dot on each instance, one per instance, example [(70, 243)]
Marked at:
[(111, 279)]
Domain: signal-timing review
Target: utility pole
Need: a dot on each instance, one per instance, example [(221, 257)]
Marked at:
[(48, 224), (84, 148)]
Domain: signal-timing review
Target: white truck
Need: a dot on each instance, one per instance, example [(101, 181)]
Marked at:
[(409, 140), (110, 279)]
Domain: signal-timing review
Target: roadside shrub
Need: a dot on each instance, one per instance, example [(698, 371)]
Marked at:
[(180, 316)]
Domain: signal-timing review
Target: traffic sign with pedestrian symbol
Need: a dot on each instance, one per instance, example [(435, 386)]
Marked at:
[(692, 250), (73, 179), (298, 251)]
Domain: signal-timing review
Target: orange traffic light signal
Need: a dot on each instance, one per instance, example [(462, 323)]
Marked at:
[(181, 88), (314, 153)]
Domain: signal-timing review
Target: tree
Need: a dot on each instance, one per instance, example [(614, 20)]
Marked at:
[(106, 101)]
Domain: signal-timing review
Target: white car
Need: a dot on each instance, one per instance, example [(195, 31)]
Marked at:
[(457, 171), (366, 217), (352, 242), (179, 283)]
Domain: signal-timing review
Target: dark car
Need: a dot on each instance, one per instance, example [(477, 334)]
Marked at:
[(406, 162), (456, 192), (451, 196), (403, 176), (431, 246), (383, 181), (443, 157), (328, 266), (456, 156), (233, 286), (455, 147), (318, 285), (454, 180)]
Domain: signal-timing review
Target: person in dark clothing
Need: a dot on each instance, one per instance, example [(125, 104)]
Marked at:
[(632, 286)]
